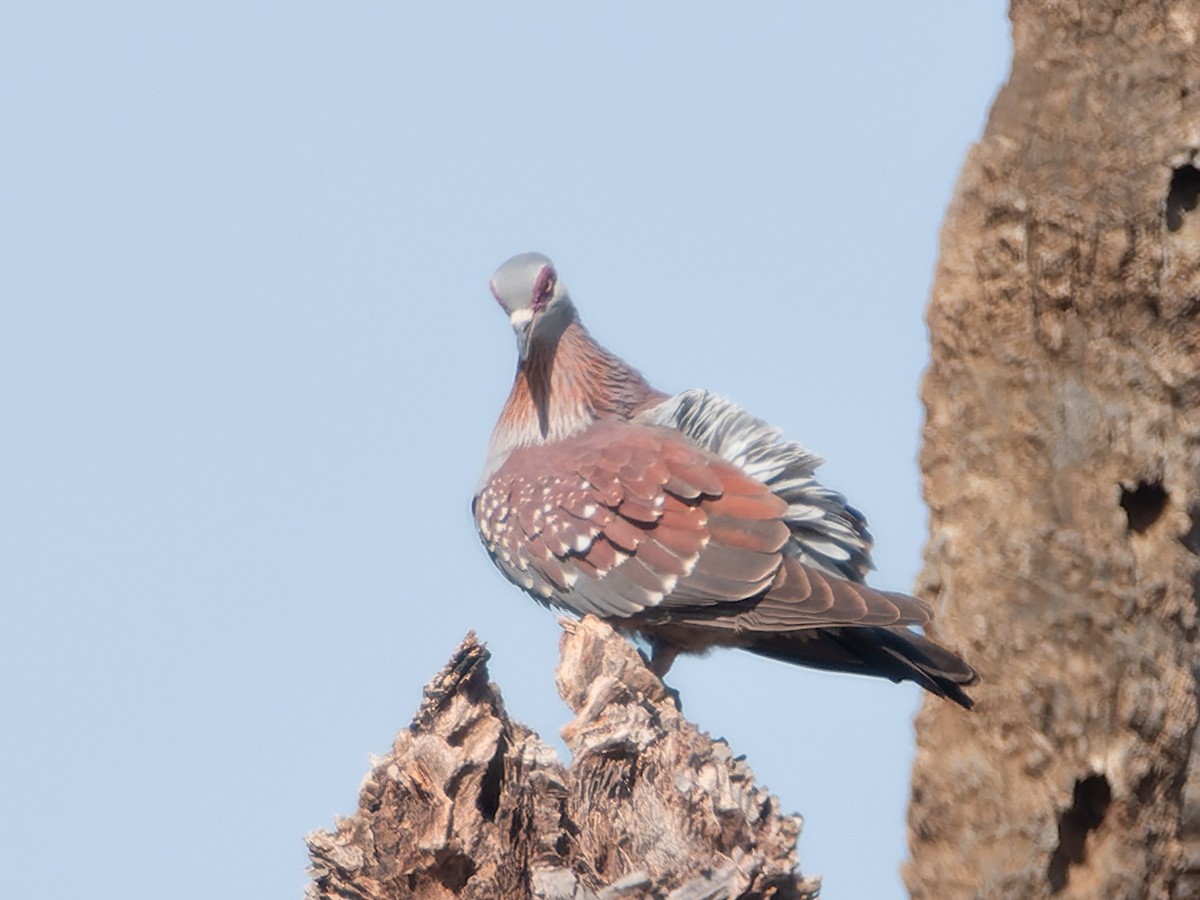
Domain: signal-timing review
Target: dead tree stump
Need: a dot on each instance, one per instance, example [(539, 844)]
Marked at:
[(470, 804)]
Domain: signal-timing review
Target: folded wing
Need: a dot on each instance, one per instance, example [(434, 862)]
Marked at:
[(636, 521)]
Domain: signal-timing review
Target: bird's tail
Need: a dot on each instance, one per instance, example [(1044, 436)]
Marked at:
[(889, 652)]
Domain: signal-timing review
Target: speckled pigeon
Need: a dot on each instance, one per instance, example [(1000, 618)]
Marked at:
[(684, 519)]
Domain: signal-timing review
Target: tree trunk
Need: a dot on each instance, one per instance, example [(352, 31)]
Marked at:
[(471, 804), (1062, 470)]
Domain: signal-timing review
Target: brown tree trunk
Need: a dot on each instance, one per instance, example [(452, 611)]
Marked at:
[(471, 804), (1062, 470)]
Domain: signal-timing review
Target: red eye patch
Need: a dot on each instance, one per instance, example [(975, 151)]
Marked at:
[(543, 288)]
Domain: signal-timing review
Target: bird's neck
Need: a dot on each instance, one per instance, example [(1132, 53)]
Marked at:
[(564, 385)]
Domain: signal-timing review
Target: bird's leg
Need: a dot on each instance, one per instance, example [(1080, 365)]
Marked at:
[(662, 656)]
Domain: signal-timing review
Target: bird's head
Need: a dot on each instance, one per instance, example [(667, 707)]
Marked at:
[(536, 302)]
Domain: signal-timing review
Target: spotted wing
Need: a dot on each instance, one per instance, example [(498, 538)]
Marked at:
[(629, 520)]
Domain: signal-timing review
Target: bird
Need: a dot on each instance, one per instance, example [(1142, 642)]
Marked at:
[(680, 519)]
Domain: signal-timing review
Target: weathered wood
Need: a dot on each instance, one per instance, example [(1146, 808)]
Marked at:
[(470, 804), (1061, 465)]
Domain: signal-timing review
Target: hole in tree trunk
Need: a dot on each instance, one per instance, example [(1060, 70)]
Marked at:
[(1183, 195), (1143, 505), (1088, 806)]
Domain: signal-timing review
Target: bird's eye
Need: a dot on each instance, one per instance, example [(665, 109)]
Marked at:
[(544, 290)]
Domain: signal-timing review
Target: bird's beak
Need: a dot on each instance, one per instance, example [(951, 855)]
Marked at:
[(522, 323)]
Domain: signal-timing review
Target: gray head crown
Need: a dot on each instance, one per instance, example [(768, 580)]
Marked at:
[(528, 290)]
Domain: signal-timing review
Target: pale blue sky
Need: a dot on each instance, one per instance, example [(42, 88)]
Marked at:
[(249, 365)]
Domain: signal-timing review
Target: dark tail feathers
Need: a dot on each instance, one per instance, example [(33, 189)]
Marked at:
[(888, 652)]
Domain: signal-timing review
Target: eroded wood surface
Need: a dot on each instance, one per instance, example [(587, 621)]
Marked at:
[(470, 804)]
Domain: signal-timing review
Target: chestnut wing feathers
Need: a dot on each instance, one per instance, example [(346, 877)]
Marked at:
[(634, 520), (826, 531)]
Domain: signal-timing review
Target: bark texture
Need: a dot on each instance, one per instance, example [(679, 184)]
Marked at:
[(1061, 466), (470, 804)]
